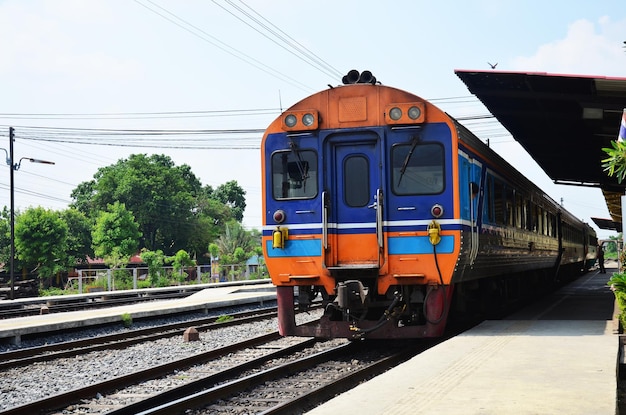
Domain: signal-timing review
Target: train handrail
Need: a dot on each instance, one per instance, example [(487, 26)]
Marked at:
[(379, 217), (324, 221), (473, 228)]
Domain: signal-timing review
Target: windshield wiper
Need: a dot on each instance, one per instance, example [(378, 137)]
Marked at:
[(414, 144), (303, 167)]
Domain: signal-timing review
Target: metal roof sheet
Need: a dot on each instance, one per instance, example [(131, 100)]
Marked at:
[(563, 122)]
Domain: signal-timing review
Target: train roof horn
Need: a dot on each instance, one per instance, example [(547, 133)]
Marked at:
[(354, 77)]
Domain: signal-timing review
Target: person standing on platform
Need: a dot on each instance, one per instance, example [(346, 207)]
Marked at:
[(600, 256)]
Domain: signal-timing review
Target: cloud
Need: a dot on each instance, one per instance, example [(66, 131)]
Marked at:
[(588, 48)]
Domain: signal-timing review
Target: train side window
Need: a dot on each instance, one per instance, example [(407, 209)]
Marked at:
[(498, 198), (518, 210), (489, 199), (294, 174), (510, 206), (417, 169), (356, 184), (538, 222)]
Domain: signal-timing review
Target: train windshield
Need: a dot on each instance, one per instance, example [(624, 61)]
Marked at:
[(294, 174), (417, 168)]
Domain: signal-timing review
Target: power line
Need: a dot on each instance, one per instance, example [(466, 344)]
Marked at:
[(142, 115), (292, 46), (240, 139), (201, 34)]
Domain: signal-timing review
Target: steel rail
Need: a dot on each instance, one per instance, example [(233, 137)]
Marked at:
[(63, 399), (50, 352)]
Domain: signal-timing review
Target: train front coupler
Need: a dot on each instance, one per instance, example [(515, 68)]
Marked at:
[(391, 313)]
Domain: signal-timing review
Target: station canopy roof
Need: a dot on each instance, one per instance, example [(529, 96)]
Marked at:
[(563, 122)]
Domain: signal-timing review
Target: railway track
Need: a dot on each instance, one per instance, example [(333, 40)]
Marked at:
[(14, 309), (127, 389), (63, 303), (294, 387), (48, 352), (267, 374)]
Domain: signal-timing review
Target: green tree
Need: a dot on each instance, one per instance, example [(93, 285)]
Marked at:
[(5, 237), (82, 198), (116, 235), (155, 261), (41, 240), (233, 196), (78, 238), (236, 245), (173, 210), (217, 213), (180, 261), (161, 196), (214, 250)]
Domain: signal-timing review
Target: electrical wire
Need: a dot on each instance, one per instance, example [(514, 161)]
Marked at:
[(287, 43), (203, 35)]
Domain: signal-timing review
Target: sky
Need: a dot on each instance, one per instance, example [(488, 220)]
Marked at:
[(85, 84)]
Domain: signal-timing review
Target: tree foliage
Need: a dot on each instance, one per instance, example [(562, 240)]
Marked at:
[(140, 202), (170, 205), (615, 164), (160, 195), (180, 261), (5, 237), (78, 238), (41, 240), (235, 245), (155, 261), (115, 236), (233, 196)]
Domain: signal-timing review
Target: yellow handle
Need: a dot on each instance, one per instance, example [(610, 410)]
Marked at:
[(434, 229)]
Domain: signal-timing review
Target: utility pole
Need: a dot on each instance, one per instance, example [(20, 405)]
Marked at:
[(13, 167), (11, 185)]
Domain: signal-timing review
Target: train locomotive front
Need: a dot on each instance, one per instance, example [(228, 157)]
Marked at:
[(382, 205), (361, 202)]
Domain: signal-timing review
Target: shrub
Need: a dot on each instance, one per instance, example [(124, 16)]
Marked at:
[(57, 291), (127, 320), (224, 318), (617, 282), (123, 279)]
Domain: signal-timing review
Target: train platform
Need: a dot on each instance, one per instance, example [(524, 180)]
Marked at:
[(218, 296), (558, 356)]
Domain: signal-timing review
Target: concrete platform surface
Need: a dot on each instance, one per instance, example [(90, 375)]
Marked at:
[(529, 364), (203, 300)]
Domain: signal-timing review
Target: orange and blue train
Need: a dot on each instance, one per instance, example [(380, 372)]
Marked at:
[(395, 216)]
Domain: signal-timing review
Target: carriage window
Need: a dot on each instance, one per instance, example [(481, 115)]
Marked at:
[(356, 186), (499, 202), (489, 199), (294, 174), (417, 169), (509, 196)]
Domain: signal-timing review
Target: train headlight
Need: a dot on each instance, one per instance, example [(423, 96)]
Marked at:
[(300, 120), (406, 113), (290, 120), (414, 113), (395, 113), (308, 119), (436, 211)]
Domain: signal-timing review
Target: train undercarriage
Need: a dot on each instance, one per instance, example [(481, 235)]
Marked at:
[(409, 311), (355, 310)]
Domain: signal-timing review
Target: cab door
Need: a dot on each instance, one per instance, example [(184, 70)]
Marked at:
[(355, 200)]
